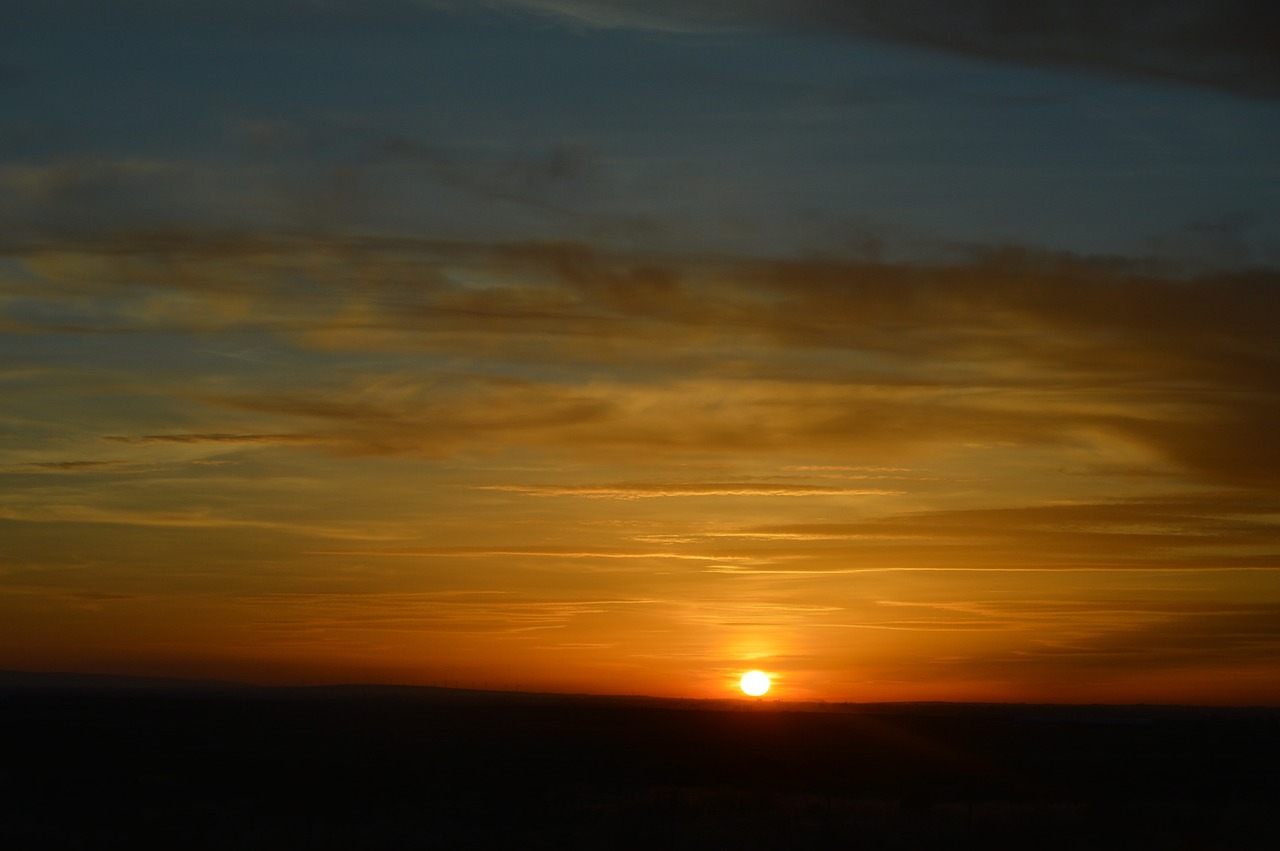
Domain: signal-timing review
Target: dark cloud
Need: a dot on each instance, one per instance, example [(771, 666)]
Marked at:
[(90, 195), (1226, 44), (1222, 635), (335, 169), (434, 419), (1198, 349), (546, 178), (236, 16)]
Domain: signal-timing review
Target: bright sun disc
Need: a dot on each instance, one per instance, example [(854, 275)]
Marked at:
[(755, 683)]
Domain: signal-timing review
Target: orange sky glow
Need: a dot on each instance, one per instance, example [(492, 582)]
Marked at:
[(570, 403)]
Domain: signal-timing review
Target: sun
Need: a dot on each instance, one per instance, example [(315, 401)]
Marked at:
[(755, 683)]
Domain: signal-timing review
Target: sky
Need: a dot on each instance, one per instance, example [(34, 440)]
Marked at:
[(904, 351)]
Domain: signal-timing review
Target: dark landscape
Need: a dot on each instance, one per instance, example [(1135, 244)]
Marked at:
[(100, 762)]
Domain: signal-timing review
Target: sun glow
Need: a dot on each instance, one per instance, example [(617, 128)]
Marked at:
[(755, 683)]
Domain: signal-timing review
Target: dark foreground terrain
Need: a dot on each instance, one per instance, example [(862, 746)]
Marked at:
[(95, 765)]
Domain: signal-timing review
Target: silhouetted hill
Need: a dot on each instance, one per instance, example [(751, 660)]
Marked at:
[(1021, 712), (92, 763)]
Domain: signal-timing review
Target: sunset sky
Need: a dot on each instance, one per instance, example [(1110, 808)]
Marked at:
[(925, 350)]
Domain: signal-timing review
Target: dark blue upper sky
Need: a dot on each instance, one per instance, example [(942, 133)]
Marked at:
[(488, 123)]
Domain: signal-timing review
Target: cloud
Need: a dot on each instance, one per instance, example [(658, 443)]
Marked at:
[(1207, 533), (754, 614), (74, 466), (70, 513), (468, 612), (1097, 565), (101, 596), (436, 417), (1226, 44), (89, 195), (84, 598), (566, 180), (648, 490), (1237, 631), (214, 437), (529, 552), (1167, 369), (1210, 519), (1222, 636), (550, 179)]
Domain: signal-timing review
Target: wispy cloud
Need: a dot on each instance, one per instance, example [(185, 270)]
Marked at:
[(443, 612), (1171, 366), (71, 513), (1213, 532), (760, 613)]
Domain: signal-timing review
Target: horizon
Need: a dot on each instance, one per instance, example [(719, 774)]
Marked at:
[(625, 346), (91, 681)]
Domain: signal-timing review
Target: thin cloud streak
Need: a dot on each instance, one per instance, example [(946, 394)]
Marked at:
[(649, 490), (86, 514), (546, 552), (73, 466)]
